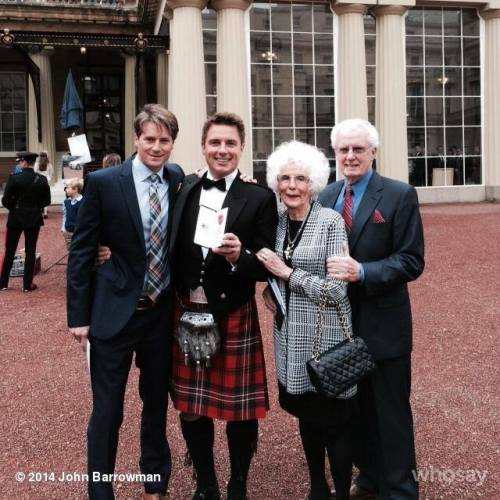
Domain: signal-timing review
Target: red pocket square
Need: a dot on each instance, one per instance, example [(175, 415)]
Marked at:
[(378, 218)]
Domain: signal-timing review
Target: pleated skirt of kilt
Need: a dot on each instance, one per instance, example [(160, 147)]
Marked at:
[(234, 387)]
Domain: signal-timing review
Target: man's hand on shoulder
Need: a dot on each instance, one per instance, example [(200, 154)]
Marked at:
[(80, 334)]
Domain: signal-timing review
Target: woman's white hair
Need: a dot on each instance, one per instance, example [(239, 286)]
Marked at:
[(303, 156), (355, 125)]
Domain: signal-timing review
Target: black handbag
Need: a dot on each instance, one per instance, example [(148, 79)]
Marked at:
[(341, 367)]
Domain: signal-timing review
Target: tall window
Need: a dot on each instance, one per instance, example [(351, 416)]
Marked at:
[(209, 25), (370, 53), (443, 96), (292, 73), (103, 103), (12, 111)]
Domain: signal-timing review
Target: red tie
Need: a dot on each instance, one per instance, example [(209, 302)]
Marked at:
[(347, 209)]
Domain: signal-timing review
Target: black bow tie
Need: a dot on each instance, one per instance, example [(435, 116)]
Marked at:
[(209, 183)]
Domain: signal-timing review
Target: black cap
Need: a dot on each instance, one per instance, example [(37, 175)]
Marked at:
[(26, 155)]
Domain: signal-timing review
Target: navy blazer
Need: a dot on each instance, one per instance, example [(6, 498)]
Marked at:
[(105, 296), (25, 196), (387, 239)]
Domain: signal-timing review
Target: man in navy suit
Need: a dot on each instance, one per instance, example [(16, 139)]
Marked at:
[(386, 248), (123, 306)]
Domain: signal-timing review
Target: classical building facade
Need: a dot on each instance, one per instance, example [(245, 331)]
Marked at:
[(425, 73)]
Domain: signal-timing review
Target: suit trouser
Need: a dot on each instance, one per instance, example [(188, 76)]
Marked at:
[(147, 334), (11, 242), (384, 443)]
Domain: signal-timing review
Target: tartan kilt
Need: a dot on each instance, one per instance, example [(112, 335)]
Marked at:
[(234, 387)]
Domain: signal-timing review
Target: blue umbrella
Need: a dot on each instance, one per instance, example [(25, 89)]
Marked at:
[(71, 111)]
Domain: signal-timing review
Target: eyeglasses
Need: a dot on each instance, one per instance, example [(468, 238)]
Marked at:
[(356, 150), (299, 179)]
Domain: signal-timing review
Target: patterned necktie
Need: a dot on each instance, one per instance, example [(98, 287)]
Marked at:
[(347, 208), (156, 268)]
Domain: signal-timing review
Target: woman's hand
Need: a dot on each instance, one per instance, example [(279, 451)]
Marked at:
[(103, 254), (268, 300), (274, 264)]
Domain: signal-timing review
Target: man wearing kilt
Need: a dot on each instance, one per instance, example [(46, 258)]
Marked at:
[(221, 281)]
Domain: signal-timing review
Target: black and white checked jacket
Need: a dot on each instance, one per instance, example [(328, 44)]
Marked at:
[(293, 343)]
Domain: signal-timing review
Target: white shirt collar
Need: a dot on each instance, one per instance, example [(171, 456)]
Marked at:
[(142, 172), (76, 199), (229, 178)]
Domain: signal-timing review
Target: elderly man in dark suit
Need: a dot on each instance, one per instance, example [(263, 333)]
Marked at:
[(221, 281), (123, 306), (25, 196), (386, 248)]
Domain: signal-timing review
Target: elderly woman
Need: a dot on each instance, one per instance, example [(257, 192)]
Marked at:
[(307, 234)]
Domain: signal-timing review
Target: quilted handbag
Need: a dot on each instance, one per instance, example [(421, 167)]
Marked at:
[(343, 365)]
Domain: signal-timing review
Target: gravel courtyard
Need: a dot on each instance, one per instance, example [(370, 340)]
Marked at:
[(44, 398)]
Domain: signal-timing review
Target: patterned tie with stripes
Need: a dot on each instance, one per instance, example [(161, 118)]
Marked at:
[(347, 208), (156, 269)]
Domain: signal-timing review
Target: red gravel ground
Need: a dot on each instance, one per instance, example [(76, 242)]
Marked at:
[(44, 399)]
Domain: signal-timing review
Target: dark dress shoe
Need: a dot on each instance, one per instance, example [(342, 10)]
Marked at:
[(236, 489), (324, 494), (359, 493), (207, 493), (31, 288)]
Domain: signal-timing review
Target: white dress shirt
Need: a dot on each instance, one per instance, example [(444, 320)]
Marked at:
[(214, 198)]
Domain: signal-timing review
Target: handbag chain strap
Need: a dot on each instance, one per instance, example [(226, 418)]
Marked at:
[(344, 324)]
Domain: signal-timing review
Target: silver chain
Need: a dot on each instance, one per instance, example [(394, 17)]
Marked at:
[(323, 302)]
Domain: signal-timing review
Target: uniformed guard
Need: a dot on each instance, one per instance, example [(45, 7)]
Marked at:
[(25, 196)]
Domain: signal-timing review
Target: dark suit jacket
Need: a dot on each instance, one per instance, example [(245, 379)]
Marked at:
[(25, 196), (105, 296), (392, 254), (252, 216)]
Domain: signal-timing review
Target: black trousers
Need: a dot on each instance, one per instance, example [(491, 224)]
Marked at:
[(11, 242), (384, 442), (147, 335)]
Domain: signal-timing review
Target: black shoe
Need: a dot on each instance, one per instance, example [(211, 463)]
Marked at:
[(359, 493), (31, 288), (207, 493), (324, 494), (236, 489)]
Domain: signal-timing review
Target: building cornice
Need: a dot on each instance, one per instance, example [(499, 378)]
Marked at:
[(199, 4), (388, 10), (490, 14), (349, 8), (230, 4)]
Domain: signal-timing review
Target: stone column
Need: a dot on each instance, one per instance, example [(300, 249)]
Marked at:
[(48, 143), (186, 81), (33, 143), (351, 99), (390, 91), (130, 105), (162, 78), (233, 66), (491, 146), (162, 61)]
